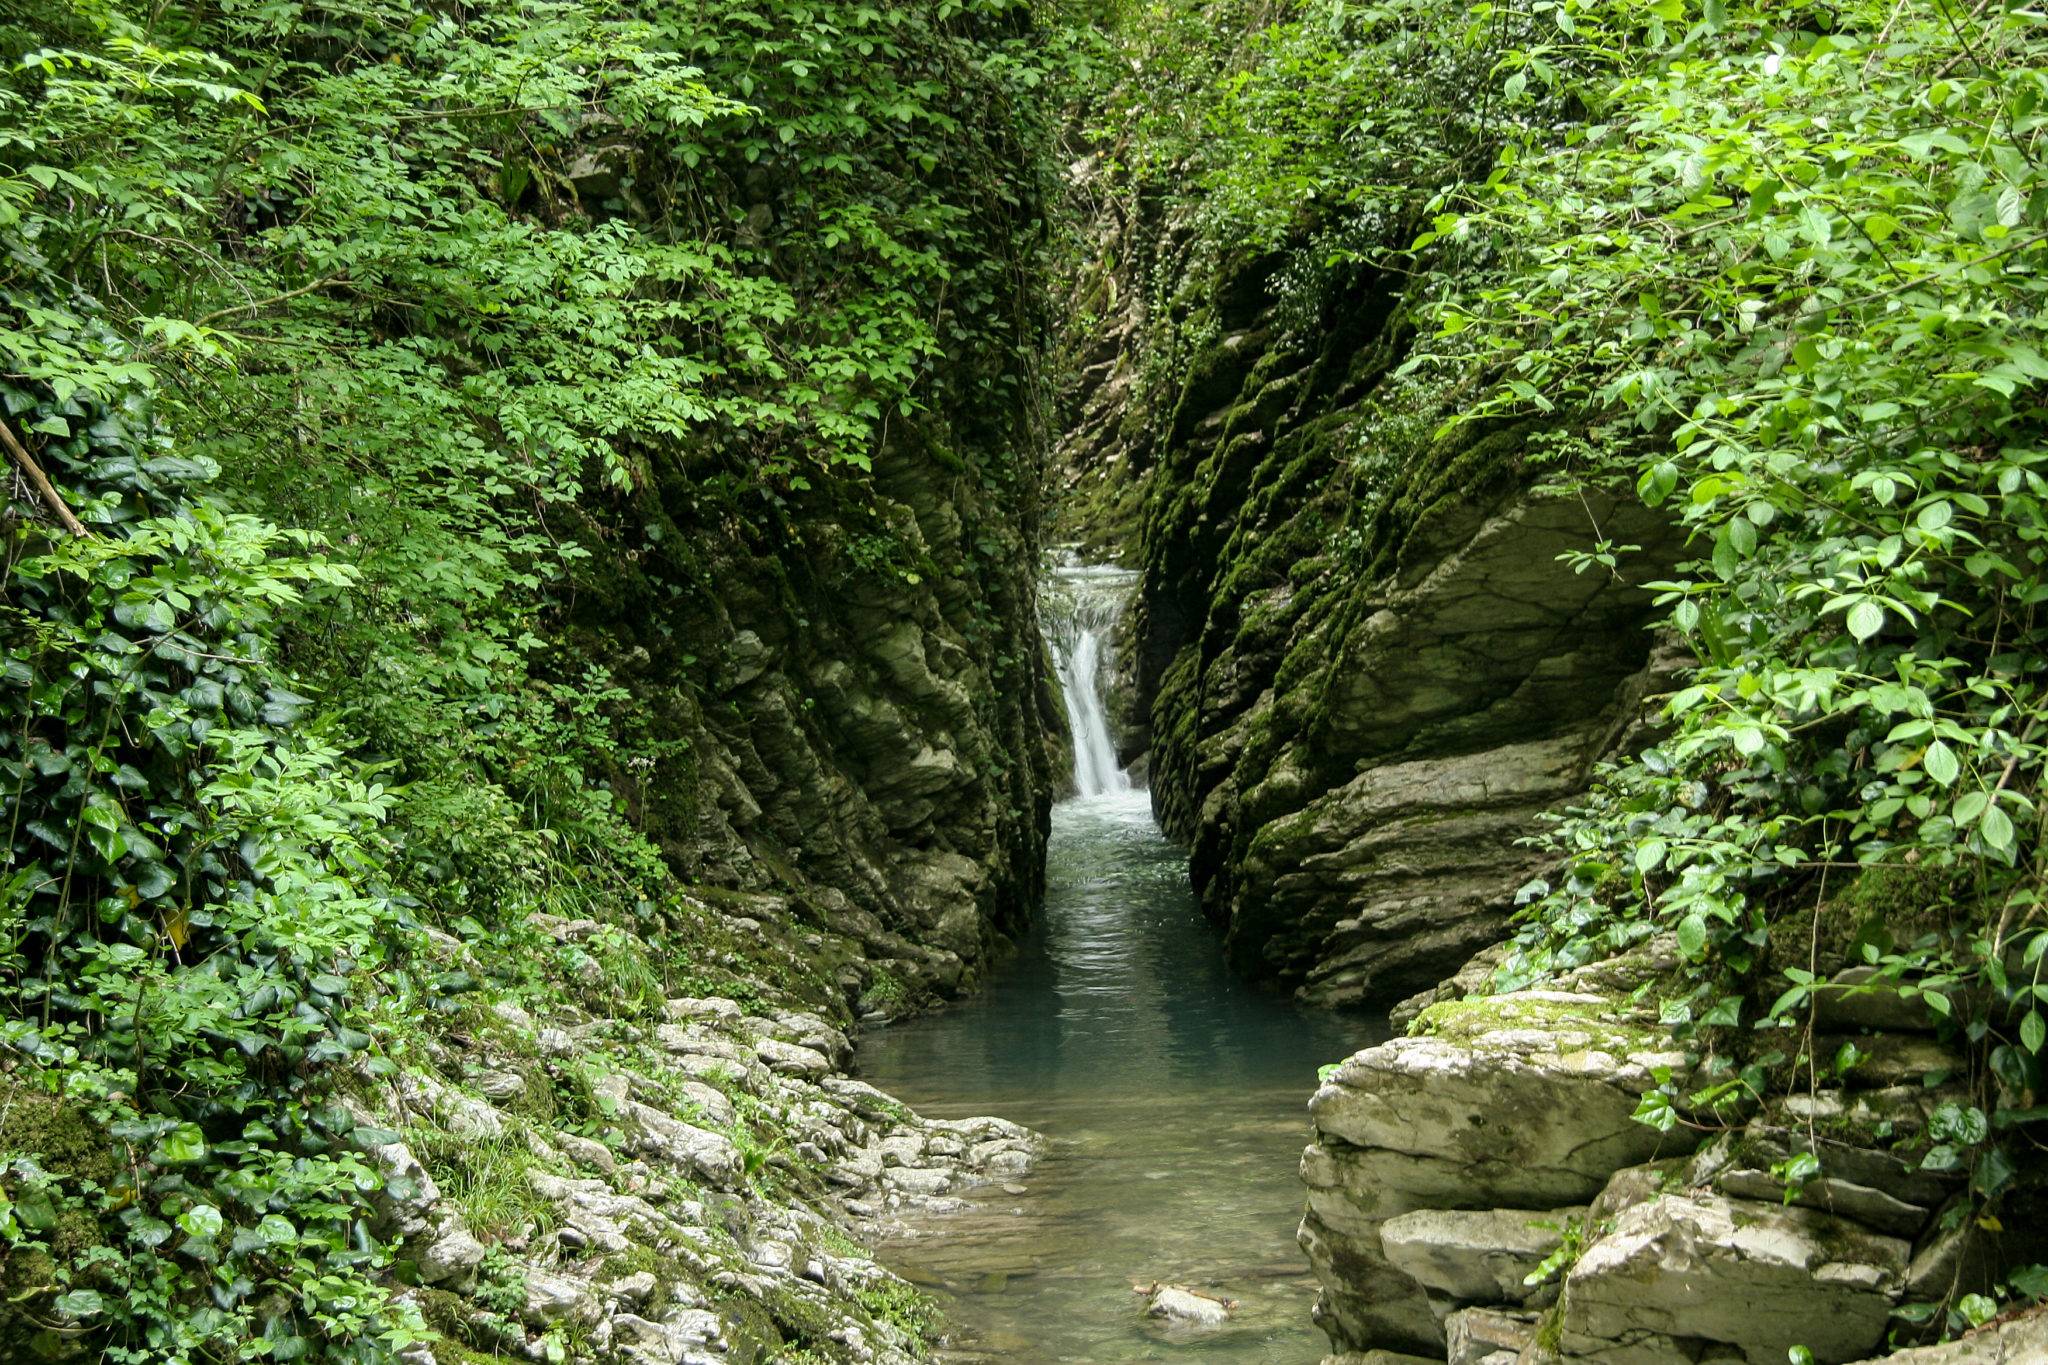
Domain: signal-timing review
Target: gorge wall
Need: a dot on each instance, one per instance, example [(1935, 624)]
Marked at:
[(1375, 645), (549, 647), (1361, 661)]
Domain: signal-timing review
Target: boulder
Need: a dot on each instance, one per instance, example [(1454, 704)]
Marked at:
[(1521, 1101), (1760, 1277), (1525, 1100), (1474, 1256), (1856, 997), (451, 1257), (1179, 1306), (1487, 1336)]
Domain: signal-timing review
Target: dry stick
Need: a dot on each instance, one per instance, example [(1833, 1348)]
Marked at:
[(41, 480)]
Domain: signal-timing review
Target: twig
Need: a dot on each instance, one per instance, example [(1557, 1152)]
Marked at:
[(257, 305), (41, 480)]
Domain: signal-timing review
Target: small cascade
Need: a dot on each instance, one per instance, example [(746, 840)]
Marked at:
[(1084, 607)]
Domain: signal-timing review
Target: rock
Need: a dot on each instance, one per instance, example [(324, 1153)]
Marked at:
[(685, 1008), (1952, 1262), (1486, 1336), (554, 1298), (636, 1288), (451, 1257), (1517, 1101), (502, 1086), (1478, 1256), (1856, 997), (1632, 1185), (1182, 1307), (788, 1059), (711, 1155), (1888, 1059), (1529, 1104), (2014, 1341), (1873, 1208), (1760, 1277), (406, 1198), (512, 1015), (1472, 979)]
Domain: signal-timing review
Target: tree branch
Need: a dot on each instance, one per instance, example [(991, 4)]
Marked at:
[(43, 486)]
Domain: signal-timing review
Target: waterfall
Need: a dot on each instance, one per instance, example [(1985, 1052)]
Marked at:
[(1085, 605)]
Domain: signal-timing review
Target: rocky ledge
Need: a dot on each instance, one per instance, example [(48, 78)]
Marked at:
[(681, 1192), (1481, 1192)]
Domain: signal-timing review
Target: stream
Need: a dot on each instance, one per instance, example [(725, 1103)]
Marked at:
[(1173, 1090)]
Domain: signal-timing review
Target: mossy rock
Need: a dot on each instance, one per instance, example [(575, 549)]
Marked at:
[(1467, 1021), (61, 1139)]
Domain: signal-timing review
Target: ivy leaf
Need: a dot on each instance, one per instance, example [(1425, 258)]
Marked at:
[(182, 1145), (79, 1304), (1692, 935), (202, 1222)]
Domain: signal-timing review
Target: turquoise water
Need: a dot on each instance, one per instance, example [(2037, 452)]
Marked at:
[(1175, 1093)]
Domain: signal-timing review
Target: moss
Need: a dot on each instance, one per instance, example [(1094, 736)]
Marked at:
[(1465, 1021), (1550, 1329), (60, 1138), (638, 1259)]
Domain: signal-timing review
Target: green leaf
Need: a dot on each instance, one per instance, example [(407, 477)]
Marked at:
[(1996, 828), (1940, 762), (183, 1144), (1692, 935), (79, 1304), (1649, 854), (2033, 1031), (1866, 619), (202, 1221)]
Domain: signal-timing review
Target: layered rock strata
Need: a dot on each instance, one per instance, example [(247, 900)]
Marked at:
[(1481, 1192), (1366, 657), (860, 705)]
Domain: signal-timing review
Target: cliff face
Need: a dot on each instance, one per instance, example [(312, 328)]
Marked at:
[(863, 702), (1364, 660)]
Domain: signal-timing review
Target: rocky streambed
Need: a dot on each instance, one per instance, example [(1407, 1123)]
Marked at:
[(682, 1193)]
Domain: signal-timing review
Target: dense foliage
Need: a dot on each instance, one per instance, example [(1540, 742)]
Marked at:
[(1778, 268), (347, 337), (1787, 272)]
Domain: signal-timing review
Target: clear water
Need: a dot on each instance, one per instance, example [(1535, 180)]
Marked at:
[(1176, 1096)]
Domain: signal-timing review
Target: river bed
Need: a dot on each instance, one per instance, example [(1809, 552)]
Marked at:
[(1175, 1093)]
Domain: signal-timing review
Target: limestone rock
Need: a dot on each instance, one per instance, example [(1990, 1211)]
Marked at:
[(1486, 1336), (2015, 1341), (1856, 997), (1474, 1256), (1529, 1105), (1760, 1277), (1179, 1306), (451, 1257), (1519, 1101)]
